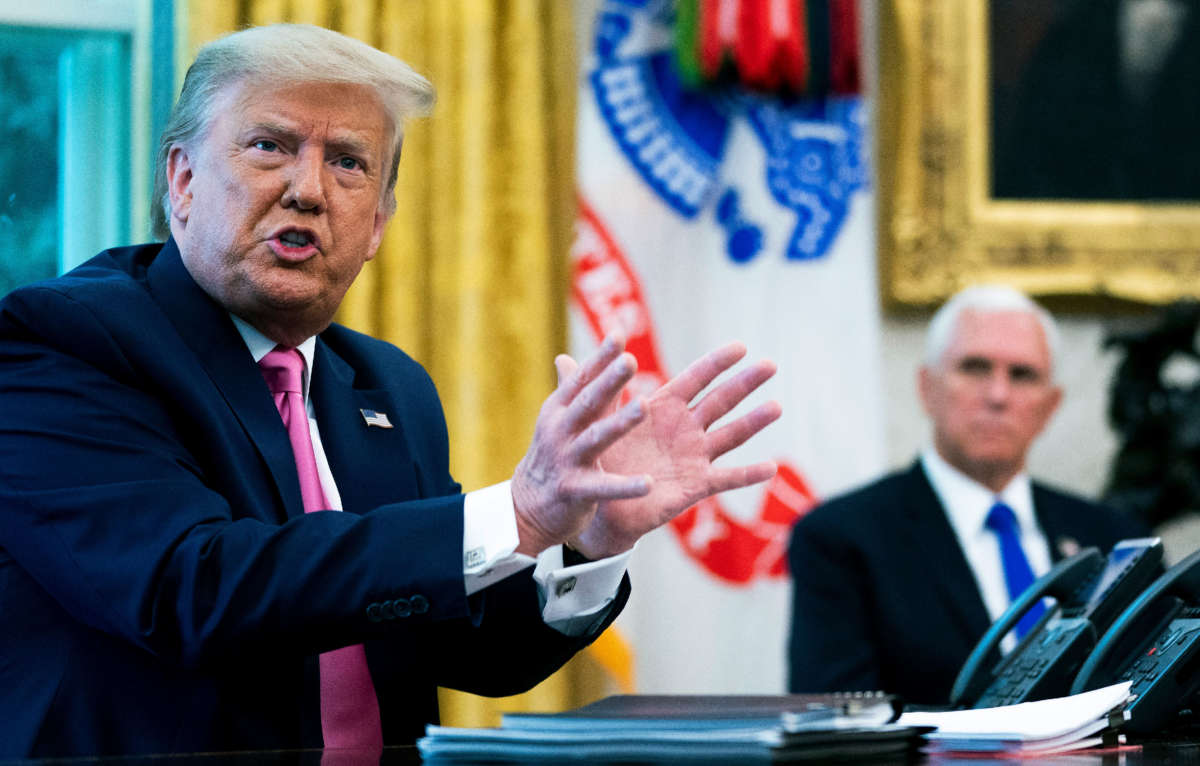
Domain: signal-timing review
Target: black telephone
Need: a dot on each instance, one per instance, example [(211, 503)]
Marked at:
[(1155, 643), (1090, 592)]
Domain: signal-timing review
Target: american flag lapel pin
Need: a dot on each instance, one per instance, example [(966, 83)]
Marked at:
[(376, 418)]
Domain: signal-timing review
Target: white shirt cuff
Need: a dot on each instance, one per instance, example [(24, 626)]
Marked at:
[(574, 598), (490, 538)]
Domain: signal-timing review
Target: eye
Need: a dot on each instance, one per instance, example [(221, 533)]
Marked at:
[(349, 163), (1024, 374), (265, 145), (975, 366)]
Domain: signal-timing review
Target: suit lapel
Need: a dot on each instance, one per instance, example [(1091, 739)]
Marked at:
[(219, 349), (373, 464), (949, 573), (1057, 530)]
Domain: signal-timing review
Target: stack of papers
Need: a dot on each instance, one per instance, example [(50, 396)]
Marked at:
[(687, 728), (1030, 728)]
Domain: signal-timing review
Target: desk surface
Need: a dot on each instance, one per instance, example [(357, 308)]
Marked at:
[(1166, 753)]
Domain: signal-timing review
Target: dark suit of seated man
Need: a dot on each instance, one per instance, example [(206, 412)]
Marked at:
[(228, 524), (894, 583)]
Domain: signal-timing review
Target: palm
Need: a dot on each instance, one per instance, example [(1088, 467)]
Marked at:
[(671, 446), (675, 447)]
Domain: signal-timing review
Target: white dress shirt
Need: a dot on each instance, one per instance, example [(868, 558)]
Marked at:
[(967, 503), (574, 598)]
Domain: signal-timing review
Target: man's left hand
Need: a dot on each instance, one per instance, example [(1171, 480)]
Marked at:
[(674, 446)]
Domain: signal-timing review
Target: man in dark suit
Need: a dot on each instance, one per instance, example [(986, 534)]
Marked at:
[(229, 524), (894, 583)]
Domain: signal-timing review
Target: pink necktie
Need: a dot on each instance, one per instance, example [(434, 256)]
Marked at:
[(349, 707)]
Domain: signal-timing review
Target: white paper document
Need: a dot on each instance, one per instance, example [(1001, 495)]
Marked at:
[(1045, 725)]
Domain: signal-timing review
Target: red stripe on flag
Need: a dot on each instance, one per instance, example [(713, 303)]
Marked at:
[(607, 290)]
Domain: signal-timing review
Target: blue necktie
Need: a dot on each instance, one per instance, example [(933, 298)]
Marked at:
[(1018, 575)]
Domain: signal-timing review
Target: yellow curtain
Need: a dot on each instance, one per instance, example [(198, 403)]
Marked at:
[(471, 277)]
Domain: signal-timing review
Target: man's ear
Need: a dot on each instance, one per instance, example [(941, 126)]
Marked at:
[(377, 229), (1053, 398), (925, 384), (179, 182)]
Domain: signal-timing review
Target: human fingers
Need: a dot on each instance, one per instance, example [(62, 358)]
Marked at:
[(735, 434), (722, 399), (596, 486), (594, 399), (564, 366), (583, 374), (726, 479), (601, 434), (696, 377)]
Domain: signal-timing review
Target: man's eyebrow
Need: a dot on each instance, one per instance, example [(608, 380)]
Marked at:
[(1026, 370), (277, 128), (973, 360), (349, 142)]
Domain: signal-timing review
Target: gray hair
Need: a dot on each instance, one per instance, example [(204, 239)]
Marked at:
[(985, 299), (287, 53)]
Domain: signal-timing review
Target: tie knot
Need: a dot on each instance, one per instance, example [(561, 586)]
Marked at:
[(1001, 518), (283, 369)]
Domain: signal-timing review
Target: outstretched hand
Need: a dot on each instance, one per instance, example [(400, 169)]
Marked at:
[(557, 485), (673, 444)]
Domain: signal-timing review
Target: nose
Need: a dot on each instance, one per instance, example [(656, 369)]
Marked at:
[(997, 388), (306, 182)]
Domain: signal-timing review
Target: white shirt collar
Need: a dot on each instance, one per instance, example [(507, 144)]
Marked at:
[(260, 345), (967, 502)]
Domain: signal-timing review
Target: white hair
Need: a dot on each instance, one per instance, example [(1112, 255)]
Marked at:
[(985, 299), (281, 54)]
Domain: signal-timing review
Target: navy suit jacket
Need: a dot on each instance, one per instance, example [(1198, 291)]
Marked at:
[(883, 597), (161, 588)]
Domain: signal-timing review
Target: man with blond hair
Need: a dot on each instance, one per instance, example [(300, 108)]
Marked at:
[(229, 523)]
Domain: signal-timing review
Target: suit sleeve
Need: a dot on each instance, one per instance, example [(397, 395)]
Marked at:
[(144, 512), (121, 511), (831, 647)]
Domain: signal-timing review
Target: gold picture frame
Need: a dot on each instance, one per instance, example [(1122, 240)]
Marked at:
[(939, 229)]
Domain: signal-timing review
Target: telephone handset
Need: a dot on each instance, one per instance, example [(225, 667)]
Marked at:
[(1155, 643), (1090, 592)]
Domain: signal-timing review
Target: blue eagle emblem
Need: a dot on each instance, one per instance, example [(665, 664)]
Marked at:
[(675, 138)]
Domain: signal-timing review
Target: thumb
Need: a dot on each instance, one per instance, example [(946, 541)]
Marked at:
[(564, 366)]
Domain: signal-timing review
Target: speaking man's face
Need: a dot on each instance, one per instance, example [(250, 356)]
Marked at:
[(991, 394), (280, 203)]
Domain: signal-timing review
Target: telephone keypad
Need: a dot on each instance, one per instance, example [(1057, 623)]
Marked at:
[(1038, 659), (1168, 648)]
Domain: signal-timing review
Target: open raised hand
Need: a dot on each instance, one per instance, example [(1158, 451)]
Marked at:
[(557, 485), (674, 445)]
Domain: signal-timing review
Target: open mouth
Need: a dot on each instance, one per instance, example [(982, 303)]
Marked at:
[(295, 239)]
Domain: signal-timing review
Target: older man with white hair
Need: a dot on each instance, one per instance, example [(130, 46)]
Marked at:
[(229, 523), (895, 582)]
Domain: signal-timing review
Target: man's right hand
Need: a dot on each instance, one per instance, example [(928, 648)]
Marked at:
[(559, 482)]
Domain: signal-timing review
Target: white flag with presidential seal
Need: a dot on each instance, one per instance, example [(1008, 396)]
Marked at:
[(710, 215)]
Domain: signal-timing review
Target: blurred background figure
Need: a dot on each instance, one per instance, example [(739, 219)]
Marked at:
[(895, 583)]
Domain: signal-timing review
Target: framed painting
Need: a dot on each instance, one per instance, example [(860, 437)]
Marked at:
[(1041, 143)]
